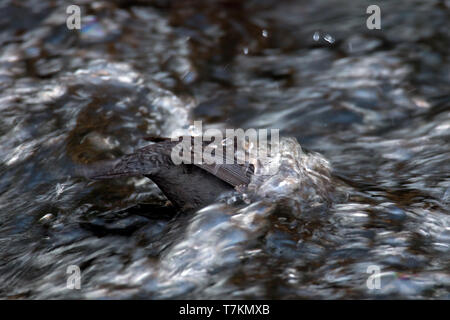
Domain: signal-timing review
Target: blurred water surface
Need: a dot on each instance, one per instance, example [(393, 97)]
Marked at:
[(374, 103)]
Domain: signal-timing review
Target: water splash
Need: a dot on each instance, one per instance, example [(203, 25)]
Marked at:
[(303, 179)]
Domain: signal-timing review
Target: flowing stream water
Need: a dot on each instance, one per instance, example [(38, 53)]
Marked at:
[(365, 120)]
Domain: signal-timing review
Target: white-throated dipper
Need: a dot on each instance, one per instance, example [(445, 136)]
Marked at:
[(187, 186)]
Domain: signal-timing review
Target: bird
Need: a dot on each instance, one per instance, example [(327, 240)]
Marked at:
[(188, 186)]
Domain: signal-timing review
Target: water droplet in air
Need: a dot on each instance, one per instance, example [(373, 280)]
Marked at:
[(245, 50), (328, 38), (265, 34), (316, 36)]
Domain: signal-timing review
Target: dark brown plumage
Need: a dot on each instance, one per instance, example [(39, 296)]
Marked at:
[(187, 186)]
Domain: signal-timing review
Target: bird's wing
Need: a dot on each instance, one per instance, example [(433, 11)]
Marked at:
[(234, 174), (229, 170), (150, 159)]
